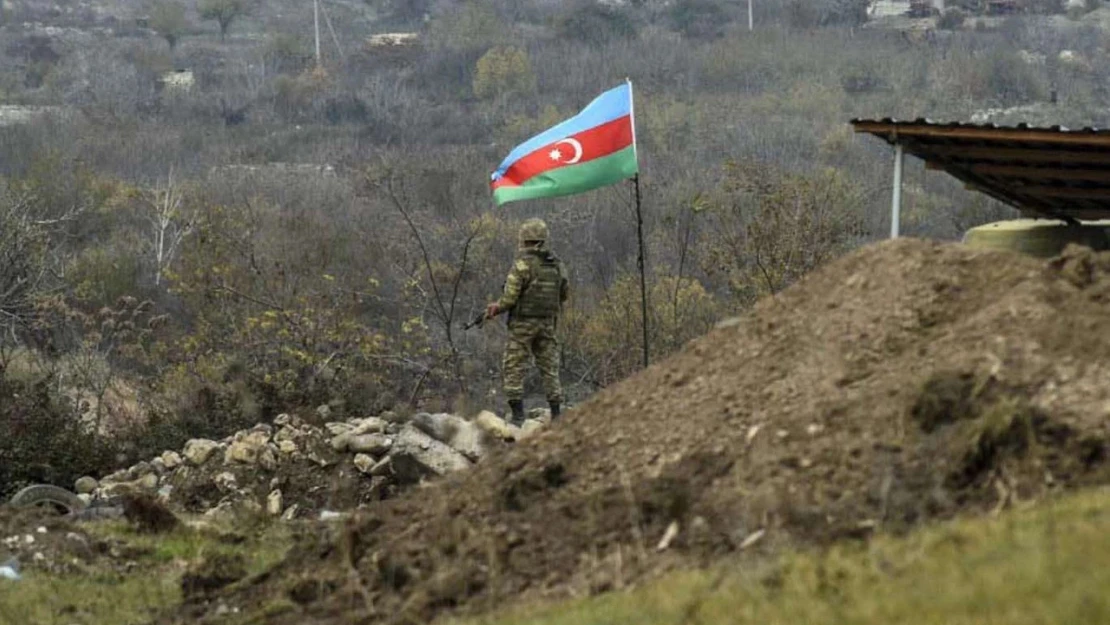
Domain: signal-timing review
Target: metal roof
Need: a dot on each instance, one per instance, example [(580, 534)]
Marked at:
[(1042, 171)]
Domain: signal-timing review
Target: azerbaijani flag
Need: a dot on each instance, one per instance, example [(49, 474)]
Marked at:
[(596, 147)]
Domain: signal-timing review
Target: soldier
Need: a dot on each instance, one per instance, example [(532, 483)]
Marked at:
[(534, 294)]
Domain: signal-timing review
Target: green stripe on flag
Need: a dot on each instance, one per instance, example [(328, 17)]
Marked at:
[(573, 178)]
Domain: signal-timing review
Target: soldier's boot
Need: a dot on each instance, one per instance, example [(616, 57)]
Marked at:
[(554, 409), (517, 407)]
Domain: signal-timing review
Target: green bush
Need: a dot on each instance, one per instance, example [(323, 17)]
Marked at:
[(698, 19), (43, 440), (594, 23), (953, 19)]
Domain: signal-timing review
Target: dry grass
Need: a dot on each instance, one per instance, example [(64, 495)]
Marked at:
[(1043, 564)]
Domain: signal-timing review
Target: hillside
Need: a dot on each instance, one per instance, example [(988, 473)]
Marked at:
[(906, 382)]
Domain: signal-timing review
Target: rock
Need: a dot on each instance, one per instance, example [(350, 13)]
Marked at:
[(287, 433), (530, 427), (139, 470), (145, 484), (158, 466), (290, 513), (369, 425), (463, 436), (416, 455), (338, 427), (85, 497), (282, 420), (391, 417), (247, 449), (225, 481), (496, 426), (364, 463), (267, 459), (274, 503), (543, 415), (340, 441), (171, 459), (118, 476), (323, 411), (86, 485), (198, 450), (383, 467), (374, 444), (265, 428), (287, 447)]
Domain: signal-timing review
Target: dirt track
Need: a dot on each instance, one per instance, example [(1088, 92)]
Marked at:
[(905, 382)]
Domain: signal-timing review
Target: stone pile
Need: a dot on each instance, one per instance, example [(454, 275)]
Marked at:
[(290, 468)]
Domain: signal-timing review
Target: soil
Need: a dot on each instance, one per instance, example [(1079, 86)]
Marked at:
[(906, 382)]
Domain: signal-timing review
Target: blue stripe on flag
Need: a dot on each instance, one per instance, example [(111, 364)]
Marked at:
[(612, 104)]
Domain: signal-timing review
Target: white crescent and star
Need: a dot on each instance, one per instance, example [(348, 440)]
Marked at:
[(557, 155)]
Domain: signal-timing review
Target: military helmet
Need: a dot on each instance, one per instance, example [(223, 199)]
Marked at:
[(533, 230)]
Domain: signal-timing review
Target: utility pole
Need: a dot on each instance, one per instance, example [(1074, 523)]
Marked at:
[(316, 24), (751, 21)]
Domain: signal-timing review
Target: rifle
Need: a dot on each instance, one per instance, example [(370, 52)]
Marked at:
[(478, 321)]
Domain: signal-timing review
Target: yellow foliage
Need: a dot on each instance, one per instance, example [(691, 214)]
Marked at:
[(504, 70), (610, 334)]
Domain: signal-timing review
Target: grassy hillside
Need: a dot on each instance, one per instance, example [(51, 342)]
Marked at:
[(1042, 564)]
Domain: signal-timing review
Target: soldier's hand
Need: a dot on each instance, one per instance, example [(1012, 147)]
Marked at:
[(492, 310)]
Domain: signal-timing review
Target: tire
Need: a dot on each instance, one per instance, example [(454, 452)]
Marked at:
[(48, 496)]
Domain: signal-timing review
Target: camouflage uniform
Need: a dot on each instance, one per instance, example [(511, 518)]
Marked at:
[(535, 290)]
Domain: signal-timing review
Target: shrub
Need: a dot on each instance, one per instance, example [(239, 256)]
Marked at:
[(43, 442), (698, 19), (952, 19), (503, 71), (594, 23)]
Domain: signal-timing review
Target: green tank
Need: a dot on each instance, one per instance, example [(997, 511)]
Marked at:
[(1043, 238)]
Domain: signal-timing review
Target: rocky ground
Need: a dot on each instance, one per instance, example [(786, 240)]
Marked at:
[(292, 469), (906, 382)]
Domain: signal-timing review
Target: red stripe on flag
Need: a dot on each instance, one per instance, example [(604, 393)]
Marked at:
[(596, 142)]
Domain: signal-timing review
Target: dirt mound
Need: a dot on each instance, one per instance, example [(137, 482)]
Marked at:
[(905, 382)]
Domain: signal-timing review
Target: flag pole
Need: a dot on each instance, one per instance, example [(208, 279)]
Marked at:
[(641, 260), (641, 264)]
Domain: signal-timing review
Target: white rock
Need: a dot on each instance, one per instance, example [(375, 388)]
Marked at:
[(171, 459), (543, 415), (86, 485), (462, 435), (338, 427), (364, 463), (274, 503), (283, 419), (369, 425), (267, 459), (530, 427), (247, 449), (198, 450), (287, 447), (374, 444), (416, 455), (496, 426), (290, 513), (225, 481), (340, 441)]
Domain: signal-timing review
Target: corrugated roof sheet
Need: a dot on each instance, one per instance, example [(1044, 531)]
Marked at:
[(1048, 171)]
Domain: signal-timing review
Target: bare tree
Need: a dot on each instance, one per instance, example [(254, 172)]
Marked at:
[(170, 223)]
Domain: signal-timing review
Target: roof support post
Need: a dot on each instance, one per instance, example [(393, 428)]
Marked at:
[(896, 199)]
